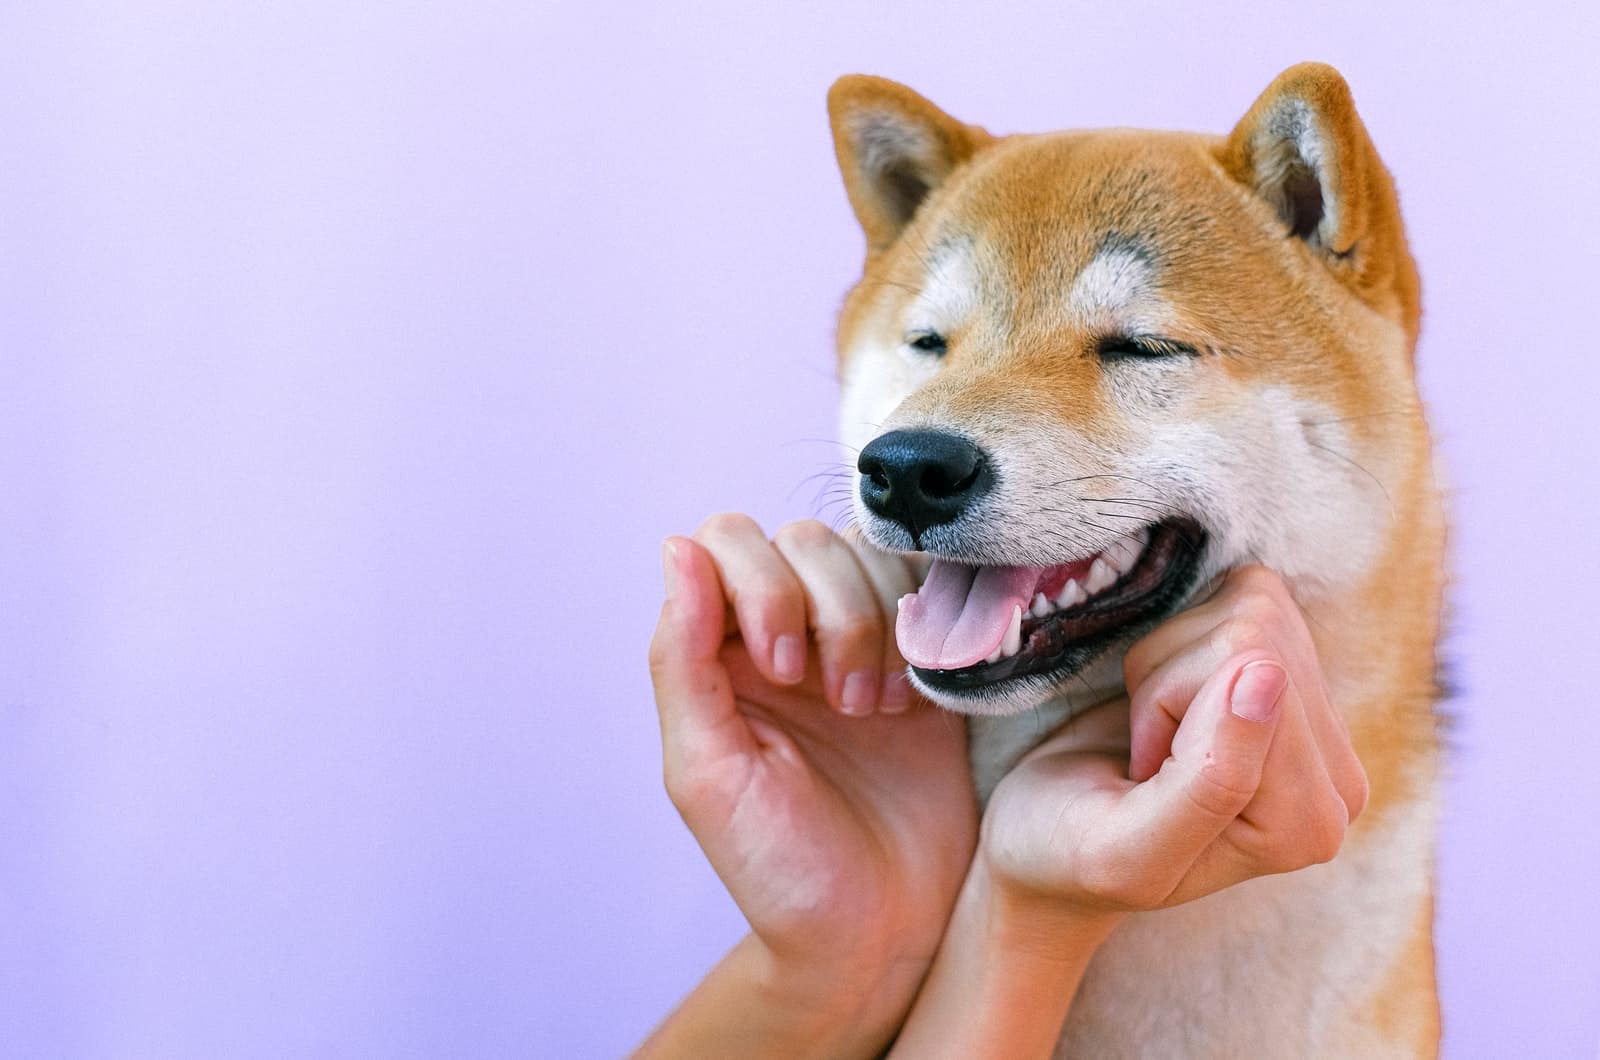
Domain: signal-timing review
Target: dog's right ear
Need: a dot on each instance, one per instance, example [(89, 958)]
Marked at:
[(1304, 150), (894, 148)]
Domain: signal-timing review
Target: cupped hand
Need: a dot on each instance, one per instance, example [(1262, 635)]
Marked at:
[(835, 805), (1226, 762)]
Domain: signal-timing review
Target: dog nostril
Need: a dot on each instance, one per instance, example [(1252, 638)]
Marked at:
[(876, 472), (941, 481)]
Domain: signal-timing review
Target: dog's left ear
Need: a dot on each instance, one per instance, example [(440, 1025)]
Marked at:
[(894, 148), (1303, 148)]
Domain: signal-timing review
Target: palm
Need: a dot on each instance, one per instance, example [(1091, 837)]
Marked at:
[(839, 829), (1072, 780)]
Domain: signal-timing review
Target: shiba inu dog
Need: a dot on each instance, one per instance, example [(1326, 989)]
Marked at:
[(1089, 372)]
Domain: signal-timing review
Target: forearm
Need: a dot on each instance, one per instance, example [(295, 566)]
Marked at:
[(751, 1005), (1004, 977)]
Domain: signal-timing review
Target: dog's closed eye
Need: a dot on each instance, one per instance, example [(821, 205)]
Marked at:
[(1145, 347)]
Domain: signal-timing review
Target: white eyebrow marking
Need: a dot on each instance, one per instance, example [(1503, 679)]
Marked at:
[(1112, 281), (949, 293)]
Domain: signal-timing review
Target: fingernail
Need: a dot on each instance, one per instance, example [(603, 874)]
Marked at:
[(860, 693), (789, 658), (669, 562), (896, 696), (1257, 691)]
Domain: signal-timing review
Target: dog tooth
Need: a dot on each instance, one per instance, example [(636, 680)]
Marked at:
[(1135, 550), (994, 657), (1071, 594), (1013, 642), (1100, 576), (1041, 605)]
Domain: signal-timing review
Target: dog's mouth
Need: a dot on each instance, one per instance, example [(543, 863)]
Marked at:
[(973, 627)]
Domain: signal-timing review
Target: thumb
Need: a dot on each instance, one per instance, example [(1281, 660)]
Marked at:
[(694, 697), (1217, 759)]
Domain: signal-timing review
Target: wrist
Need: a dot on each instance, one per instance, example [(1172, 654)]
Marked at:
[(842, 1005), (1006, 974), (1033, 925)]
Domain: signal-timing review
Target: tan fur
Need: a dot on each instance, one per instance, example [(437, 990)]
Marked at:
[(1329, 318)]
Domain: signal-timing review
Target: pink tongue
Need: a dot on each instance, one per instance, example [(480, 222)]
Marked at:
[(959, 616)]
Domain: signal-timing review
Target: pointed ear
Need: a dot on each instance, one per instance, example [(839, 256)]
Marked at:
[(1302, 148), (894, 148)]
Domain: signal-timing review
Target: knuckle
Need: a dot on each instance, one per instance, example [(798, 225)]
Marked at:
[(1240, 633), (659, 660), (766, 594), (660, 655), (1284, 857), (1220, 789), (1317, 841), (727, 525), (770, 604), (1326, 837), (1360, 792), (806, 534), (680, 790), (1105, 878), (1137, 661), (692, 791), (854, 630), (1260, 608), (1256, 580)]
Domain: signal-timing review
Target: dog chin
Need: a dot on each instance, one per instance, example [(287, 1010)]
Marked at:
[(1096, 681)]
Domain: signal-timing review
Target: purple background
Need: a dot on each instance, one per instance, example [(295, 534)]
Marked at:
[(354, 359)]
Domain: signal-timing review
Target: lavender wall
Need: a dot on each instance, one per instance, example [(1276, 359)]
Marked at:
[(355, 357)]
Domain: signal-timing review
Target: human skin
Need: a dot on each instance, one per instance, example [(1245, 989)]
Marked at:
[(850, 840), (1225, 762), (835, 805)]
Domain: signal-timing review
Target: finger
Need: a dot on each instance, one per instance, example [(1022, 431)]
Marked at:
[(1296, 806), (1158, 702), (1311, 784), (843, 612), (764, 592), (694, 698), (1333, 741), (1252, 594), (1254, 611), (1260, 595), (1296, 818), (1157, 706), (892, 577), (1218, 756)]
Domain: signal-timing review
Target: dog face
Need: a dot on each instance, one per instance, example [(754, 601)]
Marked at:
[(1086, 372)]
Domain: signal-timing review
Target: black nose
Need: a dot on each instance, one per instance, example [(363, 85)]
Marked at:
[(922, 478)]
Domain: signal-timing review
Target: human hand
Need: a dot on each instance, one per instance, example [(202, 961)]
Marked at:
[(1226, 762), (835, 805)]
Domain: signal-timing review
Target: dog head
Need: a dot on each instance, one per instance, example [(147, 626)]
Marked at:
[(1088, 371)]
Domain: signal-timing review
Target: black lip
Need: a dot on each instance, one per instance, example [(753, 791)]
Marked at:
[(1060, 645)]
